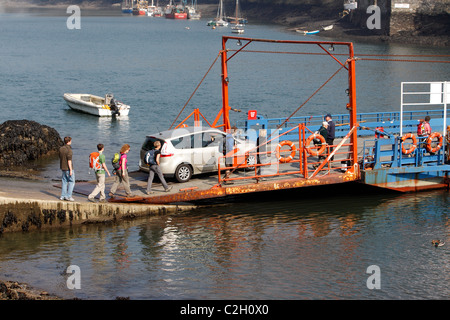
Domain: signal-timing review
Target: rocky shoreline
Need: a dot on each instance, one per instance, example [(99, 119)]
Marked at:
[(13, 290)]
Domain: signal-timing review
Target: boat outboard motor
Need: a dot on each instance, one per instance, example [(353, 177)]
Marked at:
[(113, 107)]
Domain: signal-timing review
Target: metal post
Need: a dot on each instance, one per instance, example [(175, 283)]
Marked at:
[(444, 131), (225, 107), (401, 110), (352, 103)]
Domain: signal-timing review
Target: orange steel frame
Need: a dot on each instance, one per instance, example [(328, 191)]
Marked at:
[(349, 65), (239, 160)]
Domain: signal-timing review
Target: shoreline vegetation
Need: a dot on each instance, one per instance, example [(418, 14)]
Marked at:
[(291, 18)]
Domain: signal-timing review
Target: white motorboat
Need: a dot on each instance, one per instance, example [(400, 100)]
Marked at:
[(238, 28), (98, 106)]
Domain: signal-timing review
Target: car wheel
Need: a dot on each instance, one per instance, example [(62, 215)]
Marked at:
[(183, 173), (251, 161)]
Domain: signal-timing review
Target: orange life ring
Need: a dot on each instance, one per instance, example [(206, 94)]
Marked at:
[(311, 138), (430, 139), (413, 147), (278, 149)]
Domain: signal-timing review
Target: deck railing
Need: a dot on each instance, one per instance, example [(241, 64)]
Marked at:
[(305, 163), (369, 122), (388, 152)]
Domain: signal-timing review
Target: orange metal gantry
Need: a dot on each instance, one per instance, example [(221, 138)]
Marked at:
[(282, 179)]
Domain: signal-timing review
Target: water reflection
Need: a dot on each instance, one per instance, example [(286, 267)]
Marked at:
[(279, 249)]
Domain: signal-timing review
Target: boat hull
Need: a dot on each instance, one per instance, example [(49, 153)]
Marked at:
[(139, 12), (217, 23), (407, 179), (77, 102), (176, 15), (194, 16)]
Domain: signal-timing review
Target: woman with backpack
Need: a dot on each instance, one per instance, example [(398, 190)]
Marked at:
[(122, 173)]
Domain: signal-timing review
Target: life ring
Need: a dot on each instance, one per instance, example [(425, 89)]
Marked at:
[(414, 145), (322, 148), (278, 149), (430, 139)]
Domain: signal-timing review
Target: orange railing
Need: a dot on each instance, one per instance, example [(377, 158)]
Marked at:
[(298, 166)]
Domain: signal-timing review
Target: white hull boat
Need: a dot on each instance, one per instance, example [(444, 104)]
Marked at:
[(238, 28), (98, 106)]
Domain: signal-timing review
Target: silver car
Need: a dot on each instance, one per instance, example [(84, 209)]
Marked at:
[(193, 150)]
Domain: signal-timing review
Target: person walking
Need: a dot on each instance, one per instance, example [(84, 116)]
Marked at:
[(66, 166), (122, 173), (153, 162), (330, 132), (100, 175)]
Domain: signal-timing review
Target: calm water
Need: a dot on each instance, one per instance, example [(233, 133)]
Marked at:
[(303, 247)]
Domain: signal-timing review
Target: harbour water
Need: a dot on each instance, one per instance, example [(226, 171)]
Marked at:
[(300, 246)]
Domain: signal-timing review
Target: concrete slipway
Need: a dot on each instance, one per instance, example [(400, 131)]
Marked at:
[(27, 205)]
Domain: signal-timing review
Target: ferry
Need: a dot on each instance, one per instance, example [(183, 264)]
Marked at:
[(376, 149)]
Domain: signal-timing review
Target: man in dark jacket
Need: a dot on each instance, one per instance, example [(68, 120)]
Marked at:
[(68, 174), (330, 132)]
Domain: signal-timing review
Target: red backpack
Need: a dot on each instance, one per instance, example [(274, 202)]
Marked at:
[(420, 129), (94, 161)]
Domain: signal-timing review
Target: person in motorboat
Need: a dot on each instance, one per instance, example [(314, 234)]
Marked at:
[(113, 107)]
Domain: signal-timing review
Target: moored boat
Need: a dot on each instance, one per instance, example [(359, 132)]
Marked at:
[(95, 105), (138, 12), (155, 11), (193, 12), (237, 28), (175, 12), (237, 19), (127, 6), (305, 32), (219, 21), (140, 8)]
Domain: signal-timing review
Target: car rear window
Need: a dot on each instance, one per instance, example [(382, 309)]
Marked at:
[(149, 143)]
